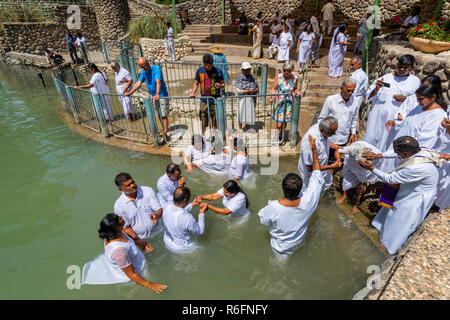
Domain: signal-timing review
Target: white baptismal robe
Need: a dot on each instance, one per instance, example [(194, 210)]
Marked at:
[(180, 228), (354, 174), (385, 107), (424, 126), (107, 267), (305, 159), (443, 193), (166, 188), (121, 76), (288, 225), (418, 186), (283, 49), (360, 91), (218, 163)]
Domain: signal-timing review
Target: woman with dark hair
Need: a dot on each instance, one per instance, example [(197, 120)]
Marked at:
[(196, 152), (234, 200), (240, 165), (122, 260), (337, 51), (99, 85), (304, 45)]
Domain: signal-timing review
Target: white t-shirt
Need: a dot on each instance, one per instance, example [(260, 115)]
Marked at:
[(236, 204), (137, 214), (80, 41), (170, 33)]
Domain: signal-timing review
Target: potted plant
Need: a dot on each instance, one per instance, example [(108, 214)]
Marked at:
[(431, 37)]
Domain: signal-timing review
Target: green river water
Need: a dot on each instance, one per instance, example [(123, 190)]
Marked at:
[(57, 185)]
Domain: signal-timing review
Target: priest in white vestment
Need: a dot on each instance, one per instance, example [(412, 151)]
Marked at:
[(123, 84), (361, 85), (417, 178)]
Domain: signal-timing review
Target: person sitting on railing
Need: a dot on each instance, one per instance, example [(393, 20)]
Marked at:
[(285, 85), (123, 83), (157, 87), (211, 82), (246, 84), (99, 85), (196, 152)]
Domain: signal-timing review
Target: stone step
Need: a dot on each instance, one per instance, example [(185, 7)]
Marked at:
[(313, 101), (321, 92)]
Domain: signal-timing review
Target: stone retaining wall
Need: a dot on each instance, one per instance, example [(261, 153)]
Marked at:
[(153, 49), (112, 17), (385, 50), (34, 37), (209, 11)]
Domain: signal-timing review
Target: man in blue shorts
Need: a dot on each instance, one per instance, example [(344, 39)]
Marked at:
[(157, 87)]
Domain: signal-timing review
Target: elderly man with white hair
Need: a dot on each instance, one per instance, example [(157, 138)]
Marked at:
[(361, 85), (340, 106), (123, 83), (321, 132), (408, 193)]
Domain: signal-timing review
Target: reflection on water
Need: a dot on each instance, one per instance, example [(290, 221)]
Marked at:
[(57, 186)]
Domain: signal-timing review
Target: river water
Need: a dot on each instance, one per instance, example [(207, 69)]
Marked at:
[(57, 185)]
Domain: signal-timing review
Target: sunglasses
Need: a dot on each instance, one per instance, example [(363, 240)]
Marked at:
[(287, 70)]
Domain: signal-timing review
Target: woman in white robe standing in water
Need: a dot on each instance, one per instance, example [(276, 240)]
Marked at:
[(99, 85), (284, 44), (338, 48), (122, 260), (304, 45)]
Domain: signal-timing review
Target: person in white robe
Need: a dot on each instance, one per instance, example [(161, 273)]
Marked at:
[(246, 84), (139, 207), (234, 200), (337, 51), (417, 178), (219, 161), (423, 123), (285, 42), (341, 106), (273, 48), (443, 147), (288, 217), (98, 85), (122, 260), (361, 85), (321, 132), (196, 152), (387, 100), (123, 84), (354, 175), (304, 45), (168, 182), (180, 227), (315, 21), (240, 165)]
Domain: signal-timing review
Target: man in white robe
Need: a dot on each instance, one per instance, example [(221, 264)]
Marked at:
[(443, 147), (417, 178), (180, 227), (287, 218), (341, 106), (168, 182), (139, 207), (321, 132), (361, 85), (123, 84), (388, 100)]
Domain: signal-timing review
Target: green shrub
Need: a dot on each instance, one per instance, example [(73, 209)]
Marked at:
[(433, 30), (153, 27), (22, 13)]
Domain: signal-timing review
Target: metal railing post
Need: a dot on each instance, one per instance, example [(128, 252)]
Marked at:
[(152, 124), (264, 71), (293, 134), (73, 107), (74, 73), (141, 53), (132, 69), (221, 116), (100, 115), (105, 52)]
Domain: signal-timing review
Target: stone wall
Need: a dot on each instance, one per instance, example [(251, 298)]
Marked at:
[(112, 17), (385, 50), (209, 11), (34, 37), (153, 49)]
